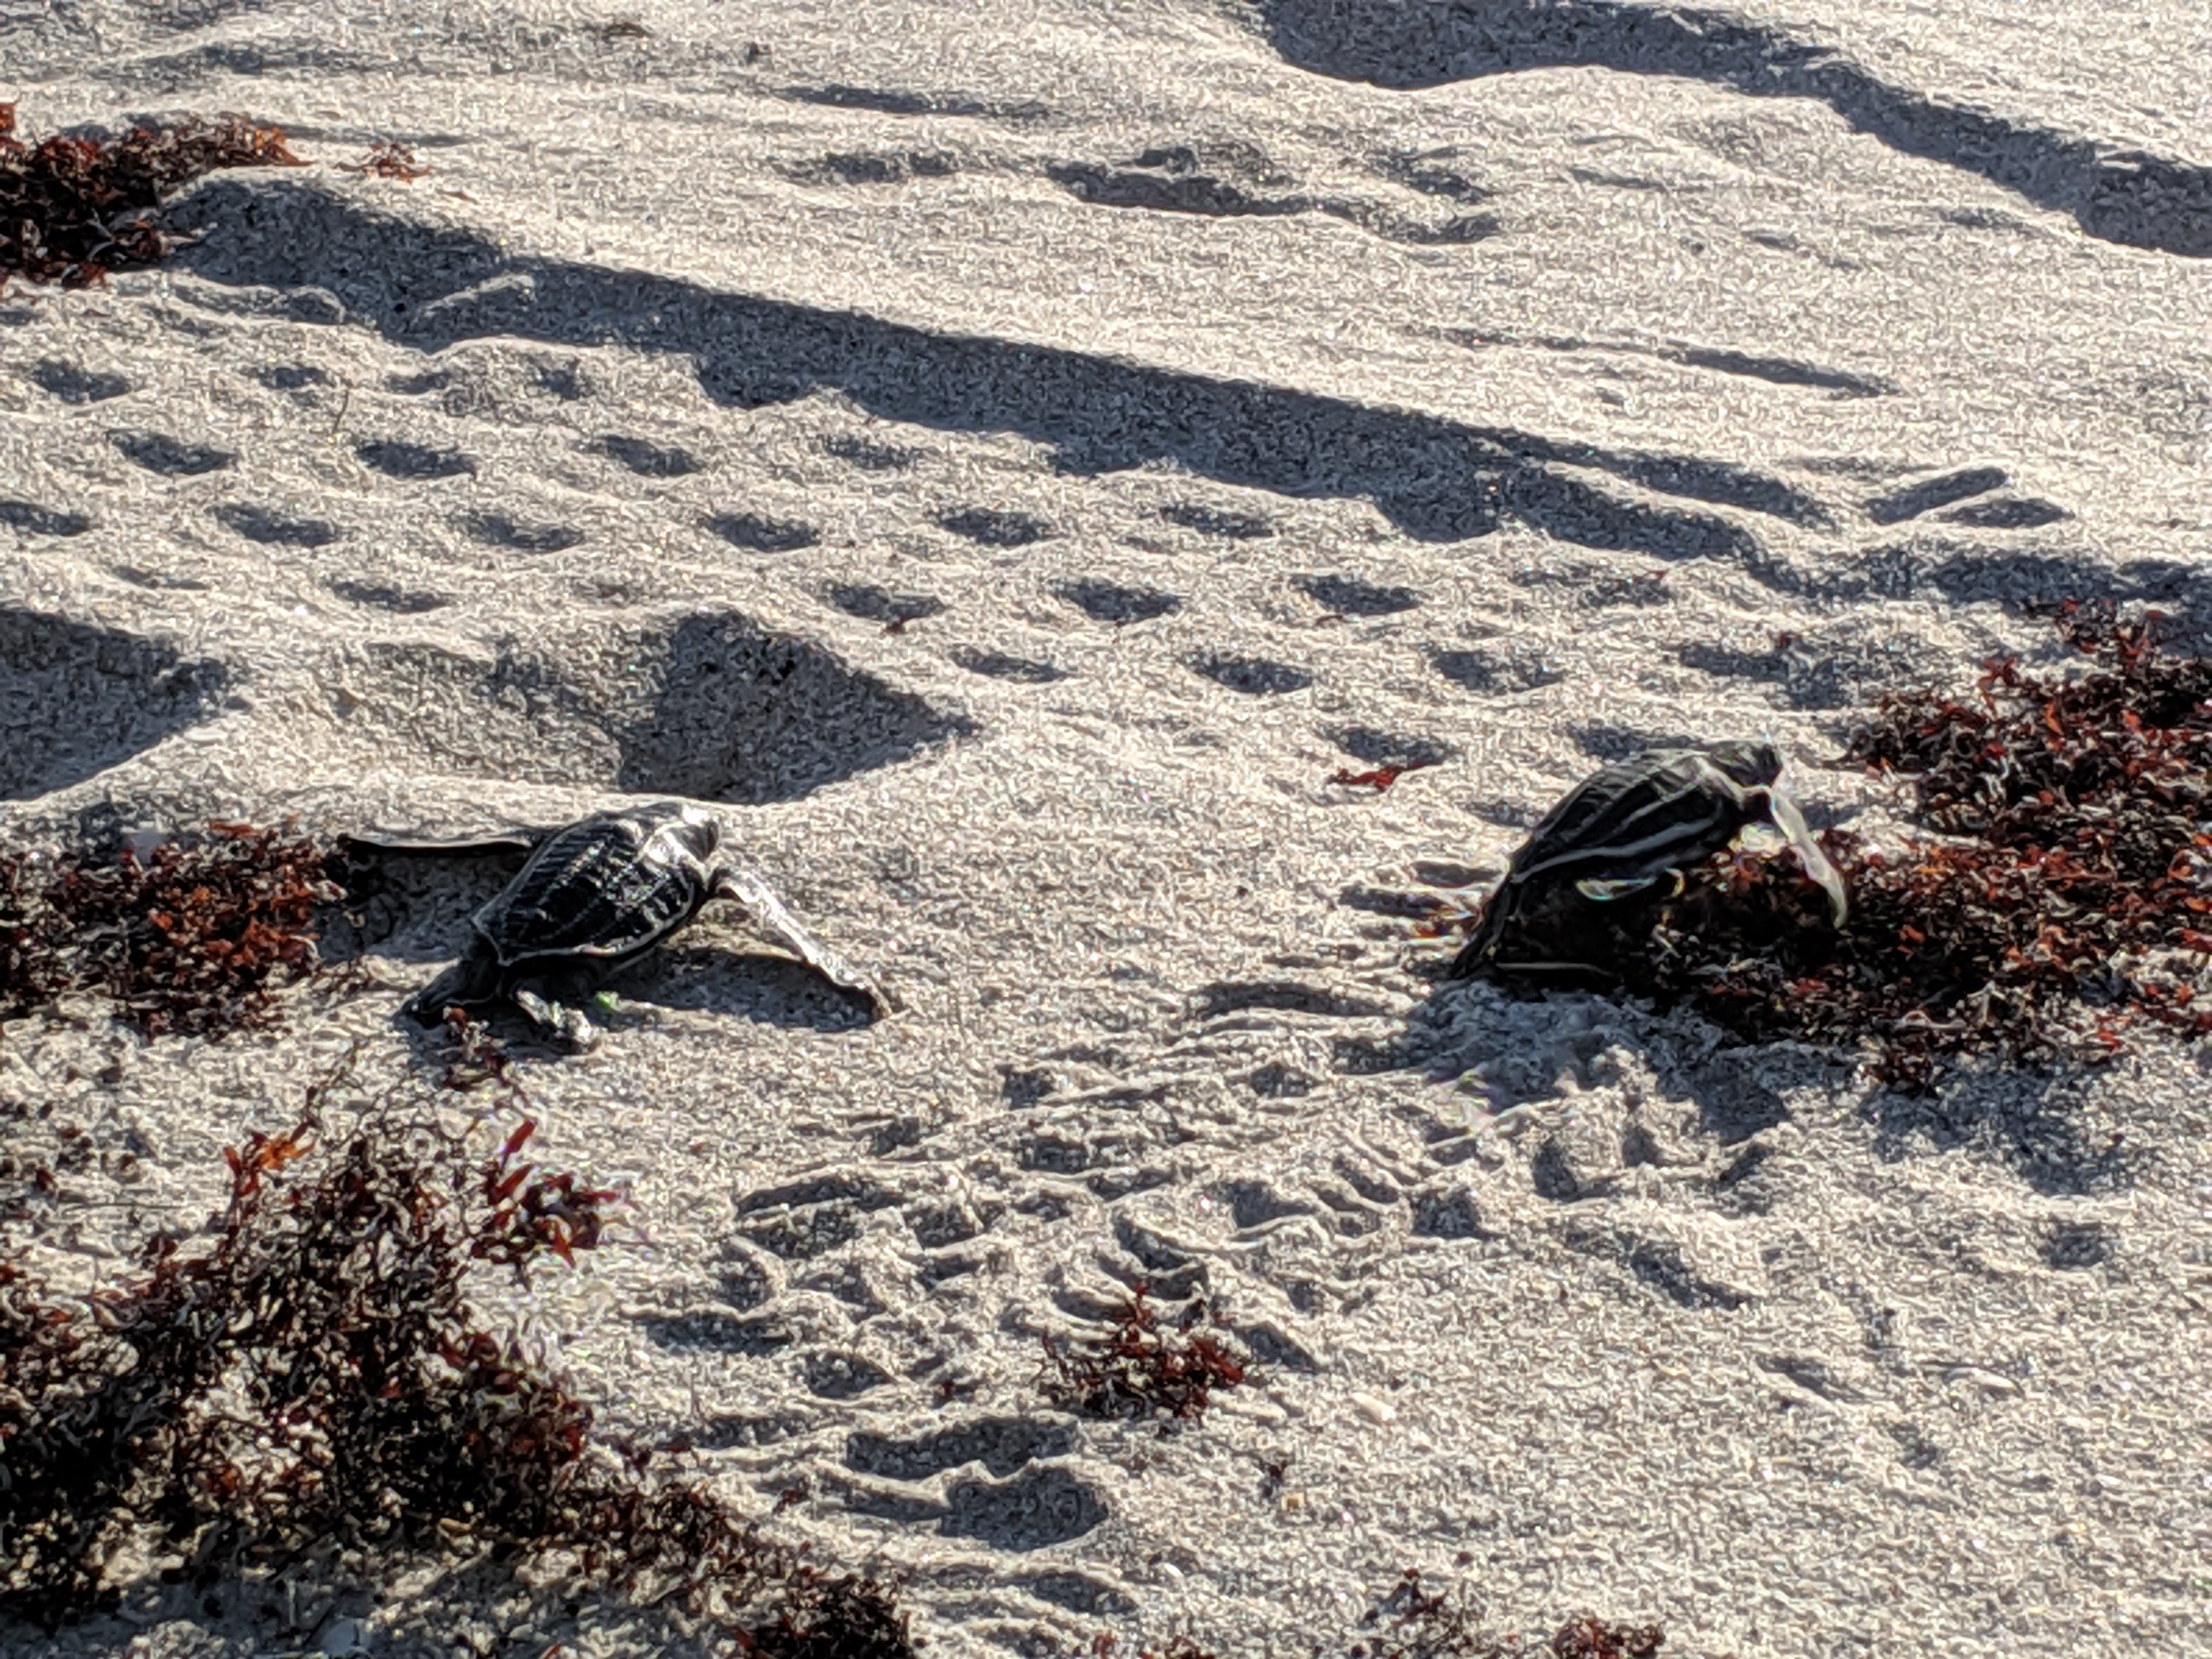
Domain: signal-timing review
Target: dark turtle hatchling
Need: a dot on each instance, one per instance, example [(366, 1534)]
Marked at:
[(1641, 820), (594, 896)]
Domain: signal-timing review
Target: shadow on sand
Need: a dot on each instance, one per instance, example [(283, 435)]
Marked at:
[(1436, 479), (1513, 1047), (2129, 197)]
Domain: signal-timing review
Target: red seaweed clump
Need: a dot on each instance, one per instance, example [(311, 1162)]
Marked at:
[(315, 1377), (1417, 1623), (1140, 1369), (194, 936), (2063, 897), (387, 158), (74, 208)]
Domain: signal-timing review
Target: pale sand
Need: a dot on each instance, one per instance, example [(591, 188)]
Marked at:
[(1618, 369)]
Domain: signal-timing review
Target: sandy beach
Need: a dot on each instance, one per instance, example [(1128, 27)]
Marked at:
[(1012, 459)]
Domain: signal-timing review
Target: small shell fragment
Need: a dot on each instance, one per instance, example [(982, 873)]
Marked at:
[(1373, 1410)]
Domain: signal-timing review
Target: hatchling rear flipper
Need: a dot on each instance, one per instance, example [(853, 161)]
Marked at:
[(771, 919), (1489, 927), (472, 981)]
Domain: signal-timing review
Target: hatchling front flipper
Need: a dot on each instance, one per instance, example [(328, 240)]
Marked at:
[(1791, 822), (771, 918)]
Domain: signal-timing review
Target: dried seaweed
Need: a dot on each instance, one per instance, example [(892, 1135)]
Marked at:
[(73, 209), (1378, 778), (387, 158), (2113, 766), (194, 936), (1598, 1638), (316, 1375), (1423, 1624), (2068, 900), (1140, 1369)]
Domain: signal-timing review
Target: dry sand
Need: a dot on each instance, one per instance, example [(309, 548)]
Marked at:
[(1232, 394)]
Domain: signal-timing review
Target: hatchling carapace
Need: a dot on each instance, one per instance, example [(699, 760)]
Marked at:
[(1639, 821), (594, 896)]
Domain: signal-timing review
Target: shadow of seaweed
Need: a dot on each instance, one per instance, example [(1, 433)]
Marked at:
[(2131, 196), (2025, 582), (2039, 1132), (1436, 479)]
